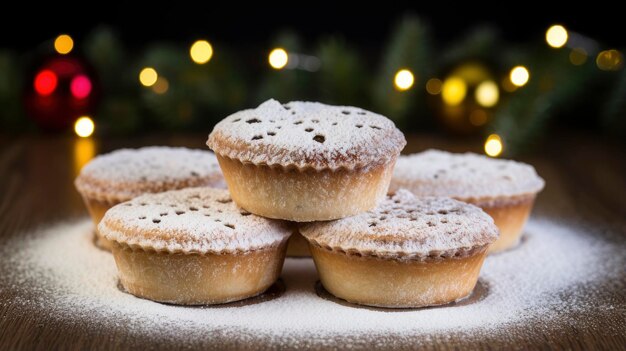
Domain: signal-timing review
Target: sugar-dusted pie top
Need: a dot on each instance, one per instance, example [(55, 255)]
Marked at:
[(126, 173), (195, 220), (404, 226), (468, 176), (307, 135)]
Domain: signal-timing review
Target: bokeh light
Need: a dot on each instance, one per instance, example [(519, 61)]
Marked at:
[(578, 56), (80, 86), (45, 82), (201, 52), (453, 91), (487, 93), (433, 86), (161, 86), (610, 60), (84, 127), (403, 80), (148, 76), (63, 44), (556, 36), (493, 145), (278, 58), (519, 76)]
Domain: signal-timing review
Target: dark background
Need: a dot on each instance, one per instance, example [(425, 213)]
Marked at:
[(367, 26)]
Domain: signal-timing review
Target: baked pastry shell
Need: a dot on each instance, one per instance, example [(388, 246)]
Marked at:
[(510, 215), (298, 246), (397, 283), (97, 209), (198, 279), (305, 194)]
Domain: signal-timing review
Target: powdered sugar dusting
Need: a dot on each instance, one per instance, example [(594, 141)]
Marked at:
[(126, 173), (190, 220), (464, 176), (307, 134), (407, 227), (59, 273)]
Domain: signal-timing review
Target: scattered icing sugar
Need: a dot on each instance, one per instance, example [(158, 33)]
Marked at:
[(463, 176), (59, 274), (307, 134), (190, 220), (127, 173), (406, 226)]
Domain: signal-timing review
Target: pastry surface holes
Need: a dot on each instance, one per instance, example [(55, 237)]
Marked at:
[(225, 201), (319, 138), (375, 127), (257, 137), (180, 212), (231, 226), (253, 120), (308, 130), (271, 133), (156, 220), (192, 208), (345, 112)]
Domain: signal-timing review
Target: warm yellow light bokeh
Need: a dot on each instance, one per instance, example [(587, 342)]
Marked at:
[(487, 93), (519, 76), (63, 44), (278, 58), (84, 127), (493, 145), (148, 76), (201, 52), (610, 60), (433, 86), (403, 80), (556, 36), (578, 56), (161, 86), (453, 91)]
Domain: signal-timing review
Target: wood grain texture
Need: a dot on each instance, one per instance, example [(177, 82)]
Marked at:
[(586, 179)]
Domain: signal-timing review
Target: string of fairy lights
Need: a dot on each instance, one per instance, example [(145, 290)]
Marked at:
[(452, 89)]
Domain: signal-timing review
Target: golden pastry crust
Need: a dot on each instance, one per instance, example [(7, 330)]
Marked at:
[(407, 252), (124, 174), (298, 246), (194, 246), (405, 227), (504, 189), (467, 177), (510, 218), (307, 135), (194, 220), (198, 279), (305, 195), (391, 283)]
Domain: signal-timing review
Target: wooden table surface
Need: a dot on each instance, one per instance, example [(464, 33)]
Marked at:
[(585, 176)]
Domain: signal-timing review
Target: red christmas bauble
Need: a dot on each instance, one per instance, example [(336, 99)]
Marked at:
[(62, 89)]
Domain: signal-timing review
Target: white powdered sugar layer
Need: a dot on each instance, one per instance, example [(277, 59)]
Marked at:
[(307, 135), (126, 173), (404, 226), (194, 220), (59, 274), (465, 176)]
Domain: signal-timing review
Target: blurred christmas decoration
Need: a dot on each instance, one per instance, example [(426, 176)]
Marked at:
[(501, 94), (468, 94), (62, 89)]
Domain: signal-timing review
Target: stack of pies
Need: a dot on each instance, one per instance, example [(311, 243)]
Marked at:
[(317, 174)]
